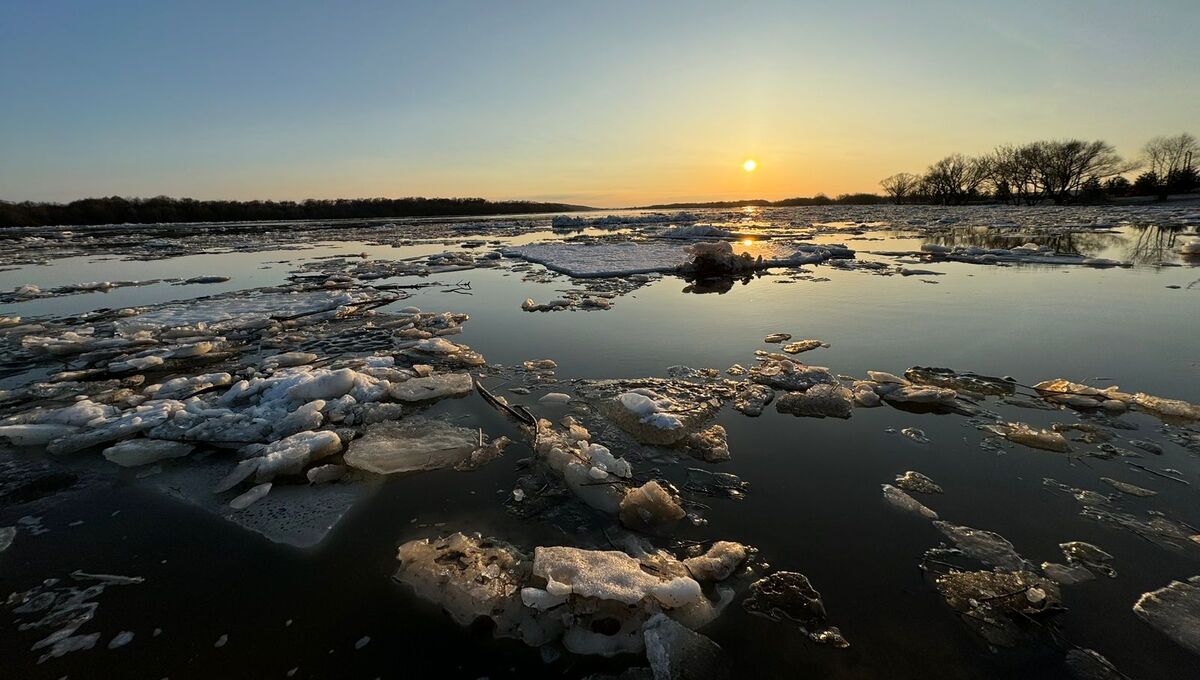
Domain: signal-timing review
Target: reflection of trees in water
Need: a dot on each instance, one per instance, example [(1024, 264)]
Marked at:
[(1073, 242), (1152, 244), (1143, 244)]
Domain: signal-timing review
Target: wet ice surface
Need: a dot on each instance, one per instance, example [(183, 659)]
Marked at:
[(290, 565)]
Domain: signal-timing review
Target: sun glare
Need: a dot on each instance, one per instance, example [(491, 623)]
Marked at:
[(749, 165)]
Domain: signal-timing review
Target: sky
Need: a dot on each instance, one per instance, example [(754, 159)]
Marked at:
[(607, 103)]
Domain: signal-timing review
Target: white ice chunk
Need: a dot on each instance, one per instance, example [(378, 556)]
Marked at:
[(135, 452)]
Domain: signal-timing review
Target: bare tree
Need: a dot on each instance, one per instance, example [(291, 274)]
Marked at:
[(1063, 166), (900, 185), (1165, 156), (1013, 173), (1171, 161), (955, 178)]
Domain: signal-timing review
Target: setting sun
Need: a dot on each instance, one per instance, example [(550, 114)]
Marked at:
[(749, 165)]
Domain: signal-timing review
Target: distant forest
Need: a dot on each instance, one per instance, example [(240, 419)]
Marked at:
[(118, 210)]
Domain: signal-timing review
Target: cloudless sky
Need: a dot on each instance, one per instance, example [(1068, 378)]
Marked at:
[(604, 103)]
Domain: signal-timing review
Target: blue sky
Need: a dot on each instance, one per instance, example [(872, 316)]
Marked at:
[(605, 103)]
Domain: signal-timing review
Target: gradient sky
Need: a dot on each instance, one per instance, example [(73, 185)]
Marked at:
[(603, 103)]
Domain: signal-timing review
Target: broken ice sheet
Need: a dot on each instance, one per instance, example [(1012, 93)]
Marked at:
[(915, 434), (585, 260), (63, 609), (718, 484), (298, 515), (802, 346), (1079, 553), (790, 595), (1157, 528), (655, 410), (818, 401), (710, 445), (962, 382), (433, 387), (917, 483), (1127, 488), (1067, 575), (1020, 433), (750, 399), (1174, 610), (7, 534), (136, 452), (676, 652), (990, 548), (1002, 607), (412, 444), (902, 501), (595, 601), (1088, 664), (649, 506)]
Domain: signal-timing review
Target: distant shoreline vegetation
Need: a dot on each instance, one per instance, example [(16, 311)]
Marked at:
[(161, 209), (1059, 171), (1062, 172), (819, 199)]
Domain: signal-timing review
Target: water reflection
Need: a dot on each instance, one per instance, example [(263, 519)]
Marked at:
[(1153, 244), (1140, 244), (719, 285)]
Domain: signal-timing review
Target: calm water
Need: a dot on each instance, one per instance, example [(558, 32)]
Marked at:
[(814, 504)]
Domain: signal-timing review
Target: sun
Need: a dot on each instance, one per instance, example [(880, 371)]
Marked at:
[(749, 165)]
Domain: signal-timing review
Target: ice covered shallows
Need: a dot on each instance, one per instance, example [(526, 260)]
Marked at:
[(1175, 611)]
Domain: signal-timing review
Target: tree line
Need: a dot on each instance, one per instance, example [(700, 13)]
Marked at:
[(819, 199), (1061, 171), (118, 210)]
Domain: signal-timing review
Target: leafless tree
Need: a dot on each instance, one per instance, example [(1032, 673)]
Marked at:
[(1167, 155), (1061, 167), (900, 185), (1012, 173), (955, 178)]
